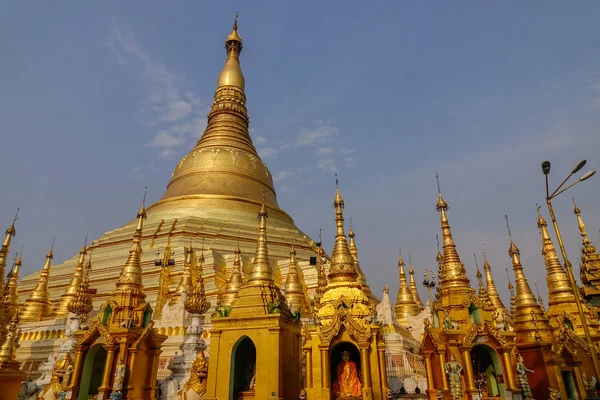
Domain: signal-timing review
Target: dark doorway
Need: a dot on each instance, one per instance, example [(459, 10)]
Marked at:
[(487, 369), (93, 370), (569, 385), (243, 367), (335, 356)]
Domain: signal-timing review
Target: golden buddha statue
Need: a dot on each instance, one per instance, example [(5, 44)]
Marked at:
[(347, 384)]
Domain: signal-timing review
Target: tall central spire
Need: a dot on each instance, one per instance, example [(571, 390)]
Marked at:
[(342, 267), (454, 275), (224, 162)]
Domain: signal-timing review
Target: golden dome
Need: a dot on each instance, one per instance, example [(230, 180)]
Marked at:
[(224, 169)]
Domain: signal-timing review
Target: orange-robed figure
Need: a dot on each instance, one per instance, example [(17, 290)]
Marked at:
[(347, 385)]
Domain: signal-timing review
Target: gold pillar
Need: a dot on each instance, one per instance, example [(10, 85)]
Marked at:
[(132, 357), (366, 367), (325, 367), (153, 382), (470, 377), (77, 369), (442, 357), (308, 367), (105, 387), (508, 371), (429, 370), (382, 370)]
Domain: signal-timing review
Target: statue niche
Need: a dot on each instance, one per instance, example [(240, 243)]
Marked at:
[(345, 371), (244, 369)]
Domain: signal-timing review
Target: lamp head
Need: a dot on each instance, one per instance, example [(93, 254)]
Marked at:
[(546, 167), (578, 166), (587, 175)]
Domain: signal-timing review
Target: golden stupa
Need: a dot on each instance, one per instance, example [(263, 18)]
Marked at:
[(214, 194)]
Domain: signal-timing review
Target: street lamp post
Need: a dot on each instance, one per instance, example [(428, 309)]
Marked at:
[(574, 288)]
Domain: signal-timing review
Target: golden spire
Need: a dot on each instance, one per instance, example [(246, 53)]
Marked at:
[(454, 275), (11, 297), (513, 297), (207, 170), (261, 272), (129, 291), (413, 285), (589, 265), (60, 309), (529, 319), (560, 293), (82, 303), (483, 293), (196, 303), (321, 276), (37, 306), (405, 302), (185, 284), (10, 233), (539, 298), (10, 344), (491, 286), (294, 292), (361, 278), (341, 265), (235, 281), (440, 262)]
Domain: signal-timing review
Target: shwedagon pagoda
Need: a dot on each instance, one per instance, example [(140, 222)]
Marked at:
[(212, 302)]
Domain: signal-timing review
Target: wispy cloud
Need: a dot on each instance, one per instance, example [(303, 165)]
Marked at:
[(258, 139), (175, 113), (283, 175), (267, 152)]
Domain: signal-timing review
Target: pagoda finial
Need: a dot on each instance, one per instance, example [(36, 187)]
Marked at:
[(405, 301), (37, 305), (294, 291), (559, 287), (539, 297), (361, 278), (490, 284), (483, 293), (61, 308), (4, 250), (11, 292), (82, 304), (235, 281), (129, 291), (454, 273), (413, 285), (10, 344), (186, 284), (342, 265), (526, 305), (261, 268)]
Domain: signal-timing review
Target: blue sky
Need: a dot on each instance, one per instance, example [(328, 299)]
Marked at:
[(99, 100)]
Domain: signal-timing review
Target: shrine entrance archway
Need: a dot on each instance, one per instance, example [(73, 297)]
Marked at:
[(243, 368), (487, 371), (93, 370), (335, 357)]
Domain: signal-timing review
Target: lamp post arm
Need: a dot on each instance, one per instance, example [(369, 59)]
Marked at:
[(564, 190), (559, 186)]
